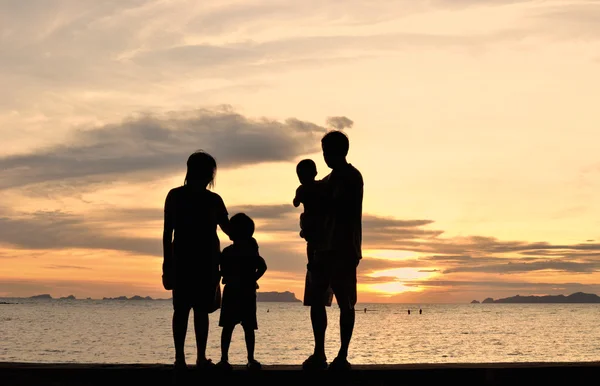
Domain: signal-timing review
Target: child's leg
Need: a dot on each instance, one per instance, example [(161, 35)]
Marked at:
[(250, 341), (225, 342), (201, 330)]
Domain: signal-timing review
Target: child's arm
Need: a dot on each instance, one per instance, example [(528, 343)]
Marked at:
[(223, 266)]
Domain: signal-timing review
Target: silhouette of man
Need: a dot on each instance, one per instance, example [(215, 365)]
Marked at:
[(336, 261)]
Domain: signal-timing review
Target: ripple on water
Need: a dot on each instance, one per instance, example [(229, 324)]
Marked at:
[(140, 332)]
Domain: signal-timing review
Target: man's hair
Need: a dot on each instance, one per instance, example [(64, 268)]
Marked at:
[(242, 226), (335, 143), (306, 167)]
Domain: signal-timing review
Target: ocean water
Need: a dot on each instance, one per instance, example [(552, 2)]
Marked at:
[(95, 331)]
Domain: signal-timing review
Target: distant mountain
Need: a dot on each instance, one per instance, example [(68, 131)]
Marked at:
[(284, 297), (578, 297), (475, 302), (44, 296), (70, 297)]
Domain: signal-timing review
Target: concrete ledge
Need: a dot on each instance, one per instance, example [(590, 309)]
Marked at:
[(585, 373)]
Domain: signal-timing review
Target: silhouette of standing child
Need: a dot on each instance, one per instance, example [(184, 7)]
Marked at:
[(312, 195), (241, 267), (191, 250)]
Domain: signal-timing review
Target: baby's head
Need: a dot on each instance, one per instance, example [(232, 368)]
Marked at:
[(242, 227), (306, 170)]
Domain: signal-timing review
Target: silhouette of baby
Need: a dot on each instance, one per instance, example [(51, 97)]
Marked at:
[(311, 194)]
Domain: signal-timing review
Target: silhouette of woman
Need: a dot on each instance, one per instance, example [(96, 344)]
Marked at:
[(191, 250)]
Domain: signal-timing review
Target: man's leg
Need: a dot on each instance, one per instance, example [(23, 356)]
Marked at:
[(344, 287), (318, 319), (317, 285), (347, 317)]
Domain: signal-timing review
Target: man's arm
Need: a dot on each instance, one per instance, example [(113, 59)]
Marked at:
[(261, 268)]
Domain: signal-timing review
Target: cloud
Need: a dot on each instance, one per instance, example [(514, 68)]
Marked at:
[(340, 123), (578, 20), (263, 56), (65, 267), (60, 230), (95, 230), (372, 264), (365, 279), (516, 266), (151, 146)]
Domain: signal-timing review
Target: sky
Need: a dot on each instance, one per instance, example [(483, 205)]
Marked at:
[(473, 122)]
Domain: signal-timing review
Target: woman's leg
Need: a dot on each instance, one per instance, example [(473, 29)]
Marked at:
[(201, 331), (180, 325), (250, 341), (226, 342)]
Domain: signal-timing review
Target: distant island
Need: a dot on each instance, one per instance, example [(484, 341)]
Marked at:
[(70, 297), (578, 297), (284, 297), (43, 296), (135, 297)]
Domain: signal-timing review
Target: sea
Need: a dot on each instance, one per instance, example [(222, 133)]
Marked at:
[(128, 331)]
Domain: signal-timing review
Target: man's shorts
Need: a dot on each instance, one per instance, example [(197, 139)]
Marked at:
[(331, 274)]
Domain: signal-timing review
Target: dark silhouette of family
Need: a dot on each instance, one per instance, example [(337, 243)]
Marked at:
[(194, 265)]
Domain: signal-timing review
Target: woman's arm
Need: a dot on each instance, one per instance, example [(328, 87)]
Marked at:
[(167, 267), (168, 227), (224, 225), (223, 216)]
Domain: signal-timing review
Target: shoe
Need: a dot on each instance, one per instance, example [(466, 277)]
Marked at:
[(340, 364), (204, 364), (254, 365), (315, 363), (180, 365), (224, 365)]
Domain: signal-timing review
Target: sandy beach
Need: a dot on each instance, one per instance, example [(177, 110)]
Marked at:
[(26, 374)]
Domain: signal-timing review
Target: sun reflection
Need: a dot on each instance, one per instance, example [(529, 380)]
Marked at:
[(402, 276)]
